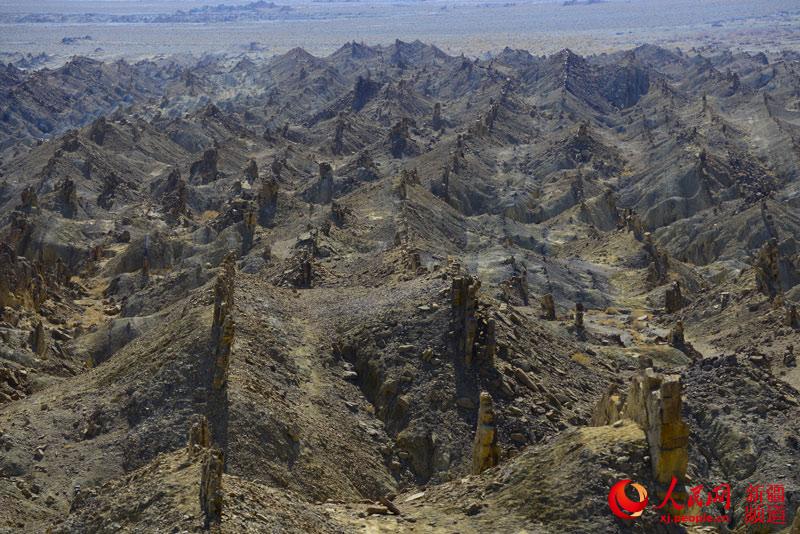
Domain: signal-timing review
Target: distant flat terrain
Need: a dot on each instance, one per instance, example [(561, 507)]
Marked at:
[(114, 28)]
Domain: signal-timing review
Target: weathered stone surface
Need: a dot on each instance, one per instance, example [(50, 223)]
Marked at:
[(548, 307), (205, 170), (654, 403), (38, 339), (222, 330), (676, 336), (464, 302), (22, 282), (211, 499), (436, 122), (29, 200), (485, 450), (66, 201), (609, 408), (673, 299), (792, 320), (14, 384), (515, 289), (667, 434), (578, 319), (268, 199), (789, 358), (337, 147), (199, 436), (400, 143), (222, 360), (658, 270), (633, 223), (173, 198), (340, 213), (323, 193), (407, 179), (97, 132), (249, 228), (366, 169), (767, 267), (441, 187), (251, 171), (474, 331)]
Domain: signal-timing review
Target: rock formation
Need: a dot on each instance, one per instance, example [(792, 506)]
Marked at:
[(339, 213), (609, 409), (516, 287), (676, 337), (38, 339), (249, 228), (222, 360), (436, 122), (485, 450), (267, 200), (222, 329), (548, 307), (654, 403), (361, 351), (633, 223), (337, 146), (789, 358), (363, 90), (106, 197), (578, 318), (22, 282), (658, 270), (474, 331), (199, 436), (14, 384), (464, 302), (211, 487), (413, 261), (323, 193), (300, 273), (97, 133), (277, 166), (29, 199), (66, 201), (400, 143), (205, 170), (366, 169), (792, 319), (251, 171), (673, 299), (407, 178), (173, 198), (767, 269), (441, 187), (667, 434)]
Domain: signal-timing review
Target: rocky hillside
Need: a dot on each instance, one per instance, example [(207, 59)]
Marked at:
[(396, 290)]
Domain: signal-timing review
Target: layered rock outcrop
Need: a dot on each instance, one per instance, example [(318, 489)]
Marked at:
[(473, 329), (211, 487), (199, 436), (673, 298), (485, 450), (767, 267), (548, 305), (222, 329), (205, 170), (654, 403)]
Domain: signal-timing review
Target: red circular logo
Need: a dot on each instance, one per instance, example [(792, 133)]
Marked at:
[(624, 507)]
